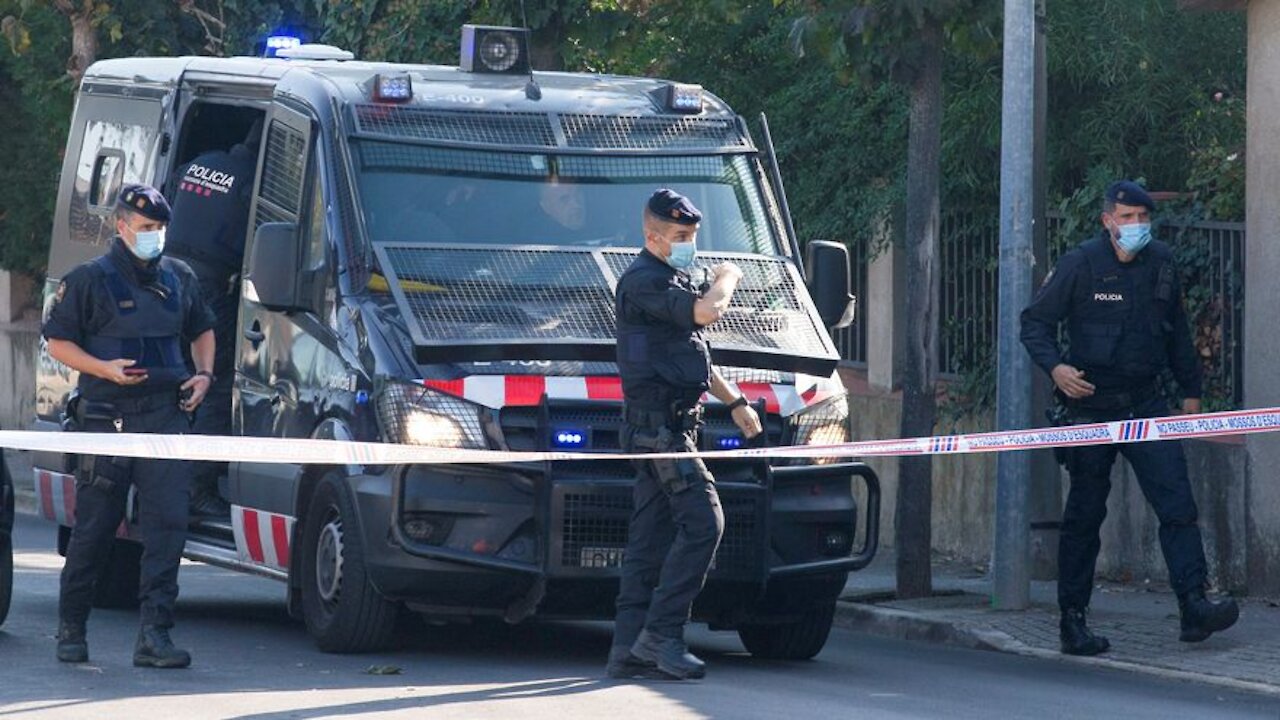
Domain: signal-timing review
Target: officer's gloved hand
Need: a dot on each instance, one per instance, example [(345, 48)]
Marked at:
[(748, 421)]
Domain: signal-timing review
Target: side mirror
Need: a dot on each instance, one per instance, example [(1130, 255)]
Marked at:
[(273, 266), (827, 267)]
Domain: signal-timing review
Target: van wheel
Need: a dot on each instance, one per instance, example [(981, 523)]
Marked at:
[(798, 640), (342, 610), (6, 576), (117, 587)]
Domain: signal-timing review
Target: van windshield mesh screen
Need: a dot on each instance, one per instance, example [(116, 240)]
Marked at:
[(524, 303), (431, 195)]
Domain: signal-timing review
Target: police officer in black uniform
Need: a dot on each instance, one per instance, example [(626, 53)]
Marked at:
[(1120, 298), (120, 321), (666, 367), (211, 197)]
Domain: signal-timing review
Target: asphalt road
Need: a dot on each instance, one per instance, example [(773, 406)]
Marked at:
[(253, 662)]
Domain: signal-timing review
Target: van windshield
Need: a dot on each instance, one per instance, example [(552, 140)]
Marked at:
[(429, 195)]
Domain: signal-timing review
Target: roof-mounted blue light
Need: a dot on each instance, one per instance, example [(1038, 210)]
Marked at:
[(392, 88), (281, 42), (684, 98)]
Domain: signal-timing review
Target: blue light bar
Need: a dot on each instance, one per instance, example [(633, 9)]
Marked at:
[(393, 88), (281, 42), (729, 442), (569, 439)]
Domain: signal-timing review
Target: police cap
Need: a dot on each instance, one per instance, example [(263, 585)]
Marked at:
[(671, 206), (1127, 192), (146, 201)]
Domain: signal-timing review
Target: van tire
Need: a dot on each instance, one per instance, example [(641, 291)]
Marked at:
[(797, 640), (343, 612), (6, 576), (117, 587)]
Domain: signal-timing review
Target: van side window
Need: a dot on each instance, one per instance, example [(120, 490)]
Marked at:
[(107, 175), (280, 193), (111, 154), (317, 230)]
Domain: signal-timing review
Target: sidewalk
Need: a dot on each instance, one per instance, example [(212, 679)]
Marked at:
[(1140, 621)]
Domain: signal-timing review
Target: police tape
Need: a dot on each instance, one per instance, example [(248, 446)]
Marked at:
[(300, 451)]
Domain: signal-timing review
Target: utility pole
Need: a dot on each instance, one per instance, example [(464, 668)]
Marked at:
[(1011, 555)]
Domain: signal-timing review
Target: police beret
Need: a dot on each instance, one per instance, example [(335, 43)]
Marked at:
[(1126, 192), (146, 201), (674, 207)]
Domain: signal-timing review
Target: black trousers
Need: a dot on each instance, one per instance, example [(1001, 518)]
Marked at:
[(162, 518), (1161, 469), (671, 543)]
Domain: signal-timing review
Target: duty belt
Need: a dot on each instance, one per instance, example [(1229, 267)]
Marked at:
[(1104, 401), (676, 418)]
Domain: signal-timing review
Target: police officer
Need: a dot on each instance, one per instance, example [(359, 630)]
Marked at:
[(666, 367), (1120, 298), (119, 321), (211, 197)]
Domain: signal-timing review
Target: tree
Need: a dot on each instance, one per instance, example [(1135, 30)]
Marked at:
[(904, 40)]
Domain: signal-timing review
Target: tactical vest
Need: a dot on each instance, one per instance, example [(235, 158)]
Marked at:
[(144, 327), (660, 363), (1122, 321)]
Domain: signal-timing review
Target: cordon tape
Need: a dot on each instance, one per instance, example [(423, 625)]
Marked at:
[(341, 452)]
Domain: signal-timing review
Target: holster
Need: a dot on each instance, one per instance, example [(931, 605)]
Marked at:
[(675, 474), (101, 471)]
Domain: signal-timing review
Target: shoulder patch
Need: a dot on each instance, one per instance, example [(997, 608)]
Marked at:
[(62, 291)]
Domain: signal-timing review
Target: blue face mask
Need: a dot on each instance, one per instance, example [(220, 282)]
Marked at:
[(1134, 237), (682, 254), (148, 245)]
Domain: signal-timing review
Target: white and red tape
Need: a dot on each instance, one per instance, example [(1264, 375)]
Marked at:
[(335, 452)]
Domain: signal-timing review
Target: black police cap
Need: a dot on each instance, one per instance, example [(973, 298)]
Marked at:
[(674, 207), (1127, 192), (146, 201)]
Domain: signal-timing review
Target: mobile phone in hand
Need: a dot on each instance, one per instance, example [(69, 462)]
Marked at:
[(133, 372)]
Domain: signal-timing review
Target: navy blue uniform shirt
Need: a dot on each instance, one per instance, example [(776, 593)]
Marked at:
[(85, 305), (663, 356), (1125, 321)]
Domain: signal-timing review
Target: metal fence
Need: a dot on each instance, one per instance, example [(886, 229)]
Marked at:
[(1211, 257)]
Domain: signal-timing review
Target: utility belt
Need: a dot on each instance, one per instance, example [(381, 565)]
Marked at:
[(1112, 401), (81, 411), (677, 418)]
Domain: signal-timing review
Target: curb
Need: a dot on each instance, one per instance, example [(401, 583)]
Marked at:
[(917, 627)]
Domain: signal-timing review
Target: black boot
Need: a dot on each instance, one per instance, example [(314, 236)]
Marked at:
[(155, 649), (1073, 630), (1202, 617), (625, 666), (208, 504), (72, 645), (671, 656)]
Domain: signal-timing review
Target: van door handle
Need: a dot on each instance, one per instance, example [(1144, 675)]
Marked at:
[(254, 336)]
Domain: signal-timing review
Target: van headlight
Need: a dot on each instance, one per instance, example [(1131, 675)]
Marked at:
[(826, 423), (416, 415)]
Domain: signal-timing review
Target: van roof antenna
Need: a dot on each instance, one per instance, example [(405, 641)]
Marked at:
[(531, 89)]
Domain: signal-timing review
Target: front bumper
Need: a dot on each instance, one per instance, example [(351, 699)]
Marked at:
[(517, 539)]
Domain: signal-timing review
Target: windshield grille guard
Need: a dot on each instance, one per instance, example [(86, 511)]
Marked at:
[(525, 302), (566, 133)]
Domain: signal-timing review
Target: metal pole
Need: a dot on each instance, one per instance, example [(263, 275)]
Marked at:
[(1011, 554)]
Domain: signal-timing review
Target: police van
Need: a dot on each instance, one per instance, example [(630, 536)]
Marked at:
[(430, 258)]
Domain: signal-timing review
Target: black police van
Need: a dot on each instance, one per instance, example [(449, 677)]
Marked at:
[(430, 259)]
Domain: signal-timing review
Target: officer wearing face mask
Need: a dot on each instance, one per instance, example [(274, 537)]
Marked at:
[(120, 321), (665, 367), (1120, 299)]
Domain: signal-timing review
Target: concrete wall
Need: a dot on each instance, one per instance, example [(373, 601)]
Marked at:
[(964, 500), (18, 344), (1262, 293)]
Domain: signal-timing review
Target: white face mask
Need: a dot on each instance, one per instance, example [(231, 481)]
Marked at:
[(148, 244)]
